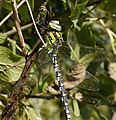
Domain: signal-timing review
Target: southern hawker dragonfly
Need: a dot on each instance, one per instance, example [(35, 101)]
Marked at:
[(71, 68), (65, 55)]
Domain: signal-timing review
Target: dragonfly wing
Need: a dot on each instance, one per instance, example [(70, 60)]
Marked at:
[(100, 53), (90, 83), (82, 50), (75, 77), (43, 64)]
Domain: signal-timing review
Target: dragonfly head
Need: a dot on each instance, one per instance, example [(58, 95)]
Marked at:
[(43, 9), (54, 24)]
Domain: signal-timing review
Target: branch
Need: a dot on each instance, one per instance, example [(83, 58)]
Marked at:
[(97, 2), (94, 3), (35, 23), (1, 1), (12, 104), (11, 32), (7, 17), (41, 97), (17, 23)]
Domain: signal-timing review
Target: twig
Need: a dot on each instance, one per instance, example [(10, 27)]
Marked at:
[(12, 104), (98, 18), (11, 32), (17, 23), (7, 17), (82, 18), (97, 2), (35, 23), (94, 3), (111, 35), (41, 97), (1, 1)]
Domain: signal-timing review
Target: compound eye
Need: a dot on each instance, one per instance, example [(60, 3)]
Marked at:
[(42, 9)]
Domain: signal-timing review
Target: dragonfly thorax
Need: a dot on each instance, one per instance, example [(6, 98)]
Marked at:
[(54, 24)]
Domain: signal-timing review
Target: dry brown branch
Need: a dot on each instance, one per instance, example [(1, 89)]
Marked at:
[(8, 16), (12, 104), (1, 1), (18, 28), (11, 32)]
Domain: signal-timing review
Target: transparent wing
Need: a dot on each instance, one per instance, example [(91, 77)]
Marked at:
[(43, 64), (90, 83), (66, 64), (100, 54), (79, 77)]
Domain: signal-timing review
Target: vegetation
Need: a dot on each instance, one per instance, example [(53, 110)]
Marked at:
[(27, 87)]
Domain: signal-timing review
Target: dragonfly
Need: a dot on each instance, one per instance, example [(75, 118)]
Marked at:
[(59, 50), (58, 53), (74, 71), (53, 38)]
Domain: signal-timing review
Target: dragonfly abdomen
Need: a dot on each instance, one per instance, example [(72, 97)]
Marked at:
[(61, 86)]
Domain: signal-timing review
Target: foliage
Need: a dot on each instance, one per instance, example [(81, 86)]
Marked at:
[(89, 23)]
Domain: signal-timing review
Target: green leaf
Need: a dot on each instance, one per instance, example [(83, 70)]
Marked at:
[(85, 36), (107, 85), (3, 98), (71, 4), (88, 58), (33, 113), (31, 2), (77, 10), (11, 65), (4, 39), (101, 116), (76, 108), (76, 51), (111, 6), (73, 45), (23, 11), (7, 4)]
